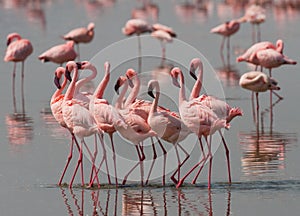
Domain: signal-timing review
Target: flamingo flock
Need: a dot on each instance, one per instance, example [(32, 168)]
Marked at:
[(85, 114)]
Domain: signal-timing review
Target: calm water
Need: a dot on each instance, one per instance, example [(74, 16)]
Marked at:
[(265, 167)]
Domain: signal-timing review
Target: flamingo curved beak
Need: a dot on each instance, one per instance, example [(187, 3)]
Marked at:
[(150, 91), (56, 82)]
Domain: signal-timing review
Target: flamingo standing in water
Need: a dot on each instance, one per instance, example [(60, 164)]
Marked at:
[(167, 125), (138, 27), (257, 81), (56, 108), (18, 49), (78, 118), (219, 107), (200, 119), (142, 108), (226, 30), (131, 126), (81, 35), (86, 99), (103, 114), (59, 54), (255, 15), (249, 55), (165, 35)]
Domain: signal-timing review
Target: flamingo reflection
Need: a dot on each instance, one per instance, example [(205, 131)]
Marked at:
[(264, 154), (19, 128)]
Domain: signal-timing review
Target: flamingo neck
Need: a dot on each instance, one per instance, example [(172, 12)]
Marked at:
[(198, 84), (134, 92), (71, 89), (156, 99), (182, 96), (85, 80), (119, 101), (58, 92), (102, 85)]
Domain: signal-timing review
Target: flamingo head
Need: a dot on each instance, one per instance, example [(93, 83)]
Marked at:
[(174, 74), (58, 74), (130, 73), (10, 37), (119, 83), (151, 87), (91, 26), (195, 63)]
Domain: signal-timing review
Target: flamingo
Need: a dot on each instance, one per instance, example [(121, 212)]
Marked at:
[(200, 119), (56, 108), (131, 126), (138, 27), (249, 55), (18, 49), (226, 30), (167, 125), (86, 100), (219, 107), (142, 108), (59, 54), (78, 118), (81, 35), (257, 81), (255, 15), (164, 37), (102, 112)]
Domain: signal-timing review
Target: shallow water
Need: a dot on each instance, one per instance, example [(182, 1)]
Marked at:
[(265, 166)]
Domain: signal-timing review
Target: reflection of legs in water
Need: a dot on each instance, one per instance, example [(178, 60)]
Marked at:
[(268, 110)]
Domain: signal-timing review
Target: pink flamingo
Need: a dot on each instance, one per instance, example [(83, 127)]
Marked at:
[(131, 126), (219, 107), (257, 81), (255, 15), (226, 30), (86, 99), (138, 27), (18, 49), (250, 54), (78, 118), (167, 125), (164, 37), (81, 35), (142, 108), (102, 112), (200, 119), (59, 54), (56, 108)]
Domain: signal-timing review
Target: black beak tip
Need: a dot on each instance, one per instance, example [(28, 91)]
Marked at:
[(193, 75), (56, 82), (150, 93), (116, 87), (79, 65)]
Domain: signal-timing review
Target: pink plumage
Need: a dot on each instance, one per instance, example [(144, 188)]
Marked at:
[(60, 53)]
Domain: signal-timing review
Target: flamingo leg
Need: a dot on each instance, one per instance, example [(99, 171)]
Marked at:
[(22, 88), (228, 50), (165, 161), (253, 109), (203, 160), (14, 88), (180, 165), (67, 164), (93, 158), (258, 33), (257, 112), (201, 167), (210, 156), (105, 157), (222, 45), (78, 53), (114, 158), (141, 158), (153, 161), (140, 54), (77, 166), (227, 156), (271, 110)]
